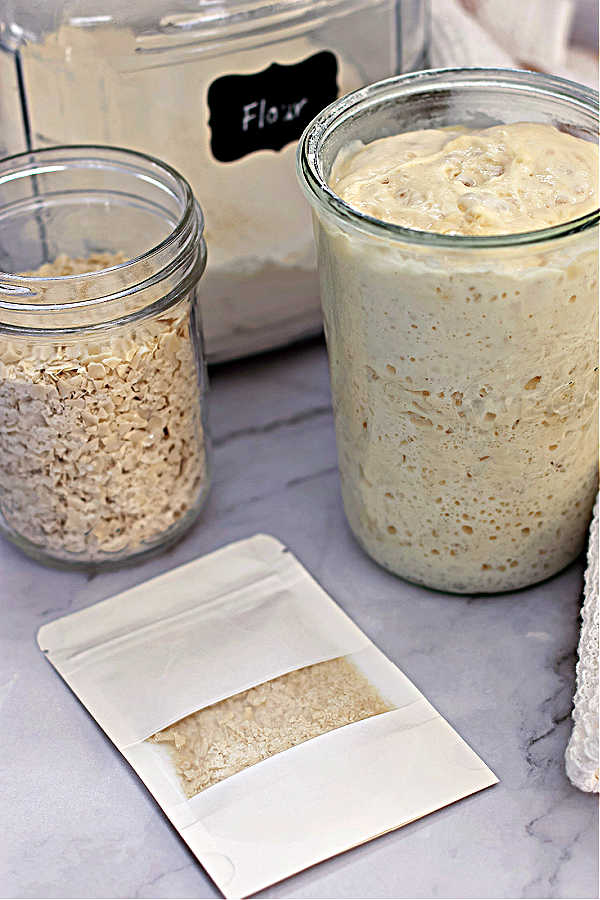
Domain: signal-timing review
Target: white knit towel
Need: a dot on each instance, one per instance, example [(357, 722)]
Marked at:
[(582, 753), (507, 33)]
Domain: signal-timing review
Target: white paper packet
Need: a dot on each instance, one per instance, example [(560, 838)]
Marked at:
[(232, 620)]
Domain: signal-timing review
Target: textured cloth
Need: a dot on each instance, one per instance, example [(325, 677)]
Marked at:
[(582, 752), (458, 39), (506, 33)]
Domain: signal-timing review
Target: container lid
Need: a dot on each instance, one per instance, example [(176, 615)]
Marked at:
[(161, 24)]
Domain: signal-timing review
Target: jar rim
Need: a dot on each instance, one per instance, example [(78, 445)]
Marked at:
[(320, 194)]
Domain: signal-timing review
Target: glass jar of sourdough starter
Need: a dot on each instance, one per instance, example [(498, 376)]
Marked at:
[(464, 369), (103, 442), (222, 91)]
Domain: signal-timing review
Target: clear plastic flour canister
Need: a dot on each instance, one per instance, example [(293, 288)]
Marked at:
[(222, 91)]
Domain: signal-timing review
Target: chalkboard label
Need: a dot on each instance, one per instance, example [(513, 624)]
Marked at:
[(269, 109)]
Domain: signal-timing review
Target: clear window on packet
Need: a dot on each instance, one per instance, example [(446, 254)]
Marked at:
[(268, 727)]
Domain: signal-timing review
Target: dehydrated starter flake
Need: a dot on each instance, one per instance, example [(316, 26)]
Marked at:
[(231, 735)]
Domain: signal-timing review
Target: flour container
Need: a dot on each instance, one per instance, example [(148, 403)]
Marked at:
[(221, 91)]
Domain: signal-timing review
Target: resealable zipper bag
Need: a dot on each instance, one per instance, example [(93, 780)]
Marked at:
[(245, 616)]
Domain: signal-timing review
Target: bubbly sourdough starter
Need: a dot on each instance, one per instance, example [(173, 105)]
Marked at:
[(465, 380)]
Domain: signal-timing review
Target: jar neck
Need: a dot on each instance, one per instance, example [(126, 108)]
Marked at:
[(85, 180)]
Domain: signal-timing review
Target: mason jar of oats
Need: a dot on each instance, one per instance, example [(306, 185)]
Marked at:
[(456, 222), (103, 442)]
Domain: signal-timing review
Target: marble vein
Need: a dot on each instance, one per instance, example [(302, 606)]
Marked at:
[(145, 889), (297, 419)]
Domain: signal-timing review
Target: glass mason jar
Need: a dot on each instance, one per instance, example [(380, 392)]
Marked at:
[(463, 369), (231, 86), (103, 441)]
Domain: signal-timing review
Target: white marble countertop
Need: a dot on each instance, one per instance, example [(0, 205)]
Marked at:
[(78, 823)]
